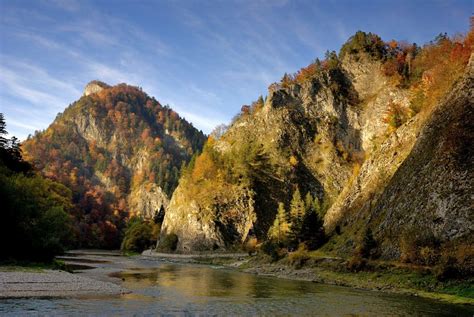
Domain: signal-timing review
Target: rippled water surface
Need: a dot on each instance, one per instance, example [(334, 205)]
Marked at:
[(186, 289)]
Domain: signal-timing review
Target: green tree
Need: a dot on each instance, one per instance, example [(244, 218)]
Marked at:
[(139, 235), (367, 245), (297, 212), (280, 229), (35, 219), (36, 224), (312, 230)]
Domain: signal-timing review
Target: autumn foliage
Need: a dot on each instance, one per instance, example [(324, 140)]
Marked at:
[(127, 123)]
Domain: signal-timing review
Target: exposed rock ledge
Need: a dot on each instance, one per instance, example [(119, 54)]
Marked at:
[(94, 87)]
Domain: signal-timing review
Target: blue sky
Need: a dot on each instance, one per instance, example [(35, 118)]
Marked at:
[(203, 58)]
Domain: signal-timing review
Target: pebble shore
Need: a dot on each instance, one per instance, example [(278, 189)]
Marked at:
[(49, 283)]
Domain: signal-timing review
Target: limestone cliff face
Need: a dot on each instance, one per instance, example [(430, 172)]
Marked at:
[(197, 227), (311, 134), (94, 86), (420, 179)]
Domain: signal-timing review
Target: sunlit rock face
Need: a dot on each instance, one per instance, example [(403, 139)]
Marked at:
[(94, 86), (325, 132), (419, 179), (338, 146)]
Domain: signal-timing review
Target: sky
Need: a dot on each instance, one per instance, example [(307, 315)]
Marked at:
[(205, 59)]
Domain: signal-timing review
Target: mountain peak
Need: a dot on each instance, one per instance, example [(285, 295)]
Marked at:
[(94, 86)]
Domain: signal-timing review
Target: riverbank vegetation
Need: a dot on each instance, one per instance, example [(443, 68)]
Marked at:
[(36, 222), (140, 235), (380, 275)]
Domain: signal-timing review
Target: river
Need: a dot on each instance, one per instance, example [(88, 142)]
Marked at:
[(184, 289)]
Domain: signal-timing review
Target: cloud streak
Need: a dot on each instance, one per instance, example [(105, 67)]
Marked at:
[(205, 59)]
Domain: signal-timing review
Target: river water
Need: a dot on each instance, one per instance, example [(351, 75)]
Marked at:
[(164, 288)]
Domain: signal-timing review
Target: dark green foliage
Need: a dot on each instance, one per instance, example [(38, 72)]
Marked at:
[(367, 245), (168, 243), (36, 224), (139, 235), (10, 152), (272, 249), (306, 224), (297, 213), (312, 230)]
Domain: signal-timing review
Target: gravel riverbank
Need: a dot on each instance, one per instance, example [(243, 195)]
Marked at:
[(51, 283)]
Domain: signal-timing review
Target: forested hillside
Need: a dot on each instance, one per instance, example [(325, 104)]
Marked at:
[(120, 152)]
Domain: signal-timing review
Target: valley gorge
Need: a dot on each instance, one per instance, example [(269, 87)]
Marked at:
[(356, 170)]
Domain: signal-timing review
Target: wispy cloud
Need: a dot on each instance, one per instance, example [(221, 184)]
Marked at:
[(205, 59), (21, 86)]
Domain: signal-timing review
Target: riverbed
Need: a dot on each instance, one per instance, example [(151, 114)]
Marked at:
[(164, 287)]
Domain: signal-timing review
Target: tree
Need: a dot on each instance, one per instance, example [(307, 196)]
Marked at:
[(297, 212), (10, 152), (367, 245), (3, 131), (312, 230), (139, 235), (308, 201), (219, 131), (286, 80), (280, 229)]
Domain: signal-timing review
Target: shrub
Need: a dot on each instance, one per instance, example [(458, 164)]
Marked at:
[(419, 246), (396, 115), (455, 261), (139, 235), (356, 263), (273, 250), (446, 269), (362, 42), (367, 245), (250, 246), (299, 257), (168, 243)]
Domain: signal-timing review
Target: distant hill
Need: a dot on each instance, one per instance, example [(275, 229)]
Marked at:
[(120, 151)]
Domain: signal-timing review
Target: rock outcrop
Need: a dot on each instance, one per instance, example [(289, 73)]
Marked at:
[(94, 86)]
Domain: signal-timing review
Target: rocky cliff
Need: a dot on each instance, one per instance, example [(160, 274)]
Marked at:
[(367, 132), (311, 136), (419, 182)]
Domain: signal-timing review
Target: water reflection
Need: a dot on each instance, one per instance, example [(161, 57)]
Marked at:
[(187, 290), (189, 287), (202, 281)]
